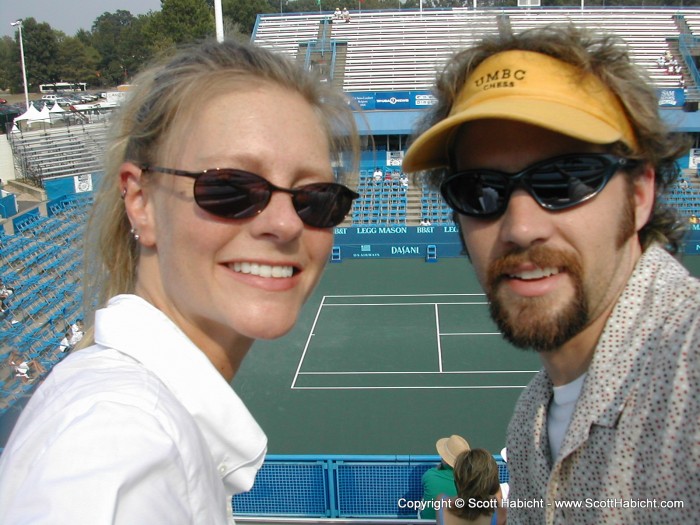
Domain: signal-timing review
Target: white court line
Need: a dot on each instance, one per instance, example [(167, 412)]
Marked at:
[(472, 333), (405, 387), (411, 295), (308, 341), (436, 304), (416, 372), (437, 337), (397, 304)]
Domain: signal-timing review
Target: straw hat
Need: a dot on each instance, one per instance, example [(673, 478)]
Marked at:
[(451, 447)]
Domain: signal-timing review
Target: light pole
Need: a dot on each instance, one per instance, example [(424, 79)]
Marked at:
[(18, 24), (219, 21)]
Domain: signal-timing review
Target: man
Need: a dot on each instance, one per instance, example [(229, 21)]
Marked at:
[(565, 131)]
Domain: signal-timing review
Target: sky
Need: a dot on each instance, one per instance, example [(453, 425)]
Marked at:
[(67, 15)]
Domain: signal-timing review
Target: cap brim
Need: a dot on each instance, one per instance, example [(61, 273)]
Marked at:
[(431, 149)]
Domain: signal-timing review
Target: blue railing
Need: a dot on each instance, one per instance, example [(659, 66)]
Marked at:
[(339, 486)]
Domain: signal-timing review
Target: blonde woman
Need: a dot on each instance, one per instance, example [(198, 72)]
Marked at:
[(213, 224)]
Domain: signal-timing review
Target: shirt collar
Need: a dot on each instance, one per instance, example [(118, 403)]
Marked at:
[(136, 328)]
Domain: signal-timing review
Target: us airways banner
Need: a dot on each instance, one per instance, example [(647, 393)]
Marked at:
[(393, 100), (404, 100), (365, 242)]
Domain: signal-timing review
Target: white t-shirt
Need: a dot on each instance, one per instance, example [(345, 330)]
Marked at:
[(139, 428), (560, 411)]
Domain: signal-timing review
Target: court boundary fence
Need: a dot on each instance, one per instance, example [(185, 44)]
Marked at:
[(344, 486)]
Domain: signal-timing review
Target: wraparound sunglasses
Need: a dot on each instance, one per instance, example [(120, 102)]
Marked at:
[(555, 184), (237, 194)]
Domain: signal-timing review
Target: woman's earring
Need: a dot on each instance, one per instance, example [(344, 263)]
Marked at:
[(123, 193), (135, 234)]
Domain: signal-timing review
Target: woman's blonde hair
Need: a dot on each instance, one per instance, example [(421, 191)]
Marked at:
[(162, 99)]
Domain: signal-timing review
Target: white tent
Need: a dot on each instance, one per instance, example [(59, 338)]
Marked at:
[(57, 108), (56, 112), (33, 115), (44, 114)]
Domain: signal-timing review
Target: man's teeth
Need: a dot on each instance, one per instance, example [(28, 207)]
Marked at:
[(537, 273), (263, 270)]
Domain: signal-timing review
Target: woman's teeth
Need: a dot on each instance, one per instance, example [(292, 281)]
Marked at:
[(263, 270)]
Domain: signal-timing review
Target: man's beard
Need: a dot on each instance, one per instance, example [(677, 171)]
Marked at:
[(529, 322)]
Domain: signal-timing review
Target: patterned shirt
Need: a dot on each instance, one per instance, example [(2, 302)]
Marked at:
[(633, 443)]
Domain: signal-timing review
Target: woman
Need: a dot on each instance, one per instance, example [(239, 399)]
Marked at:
[(478, 491), (212, 226)]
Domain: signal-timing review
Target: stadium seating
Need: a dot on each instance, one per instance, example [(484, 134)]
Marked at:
[(61, 151), (41, 262), (402, 50)]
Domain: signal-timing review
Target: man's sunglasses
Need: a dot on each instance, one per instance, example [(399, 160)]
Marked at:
[(555, 184), (237, 194)]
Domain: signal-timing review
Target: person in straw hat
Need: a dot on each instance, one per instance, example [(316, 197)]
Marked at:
[(439, 480)]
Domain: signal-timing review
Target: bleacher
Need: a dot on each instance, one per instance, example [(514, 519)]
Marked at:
[(402, 50), (57, 152), (42, 263), (380, 202)]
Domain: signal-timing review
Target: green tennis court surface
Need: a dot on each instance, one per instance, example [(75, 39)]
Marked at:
[(388, 356)]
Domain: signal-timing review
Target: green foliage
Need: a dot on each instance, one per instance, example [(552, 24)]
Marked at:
[(244, 12), (182, 21)]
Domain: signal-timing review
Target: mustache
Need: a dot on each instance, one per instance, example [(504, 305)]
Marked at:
[(540, 256)]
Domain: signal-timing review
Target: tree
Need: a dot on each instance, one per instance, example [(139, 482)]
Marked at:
[(7, 53), (181, 22), (245, 12), (77, 62), (122, 43), (40, 56)]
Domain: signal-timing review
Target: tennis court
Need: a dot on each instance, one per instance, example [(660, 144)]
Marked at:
[(388, 356)]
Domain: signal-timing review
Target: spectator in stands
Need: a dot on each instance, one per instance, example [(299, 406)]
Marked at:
[(20, 365), (425, 221), (683, 185), (439, 480), (587, 282), (337, 15), (76, 332), (188, 266), (476, 479), (377, 175), (346, 14), (693, 219), (66, 345), (5, 293)]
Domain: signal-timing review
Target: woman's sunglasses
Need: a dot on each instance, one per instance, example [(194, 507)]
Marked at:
[(237, 194), (555, 184)]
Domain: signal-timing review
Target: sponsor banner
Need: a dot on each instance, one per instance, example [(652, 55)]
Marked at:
[(671, 97), (82, 183), (366, 242), (691, 244), (403, 100), (393, 100)]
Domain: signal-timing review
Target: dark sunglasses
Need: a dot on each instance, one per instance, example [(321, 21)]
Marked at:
[(237, 194), (555, 184)]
